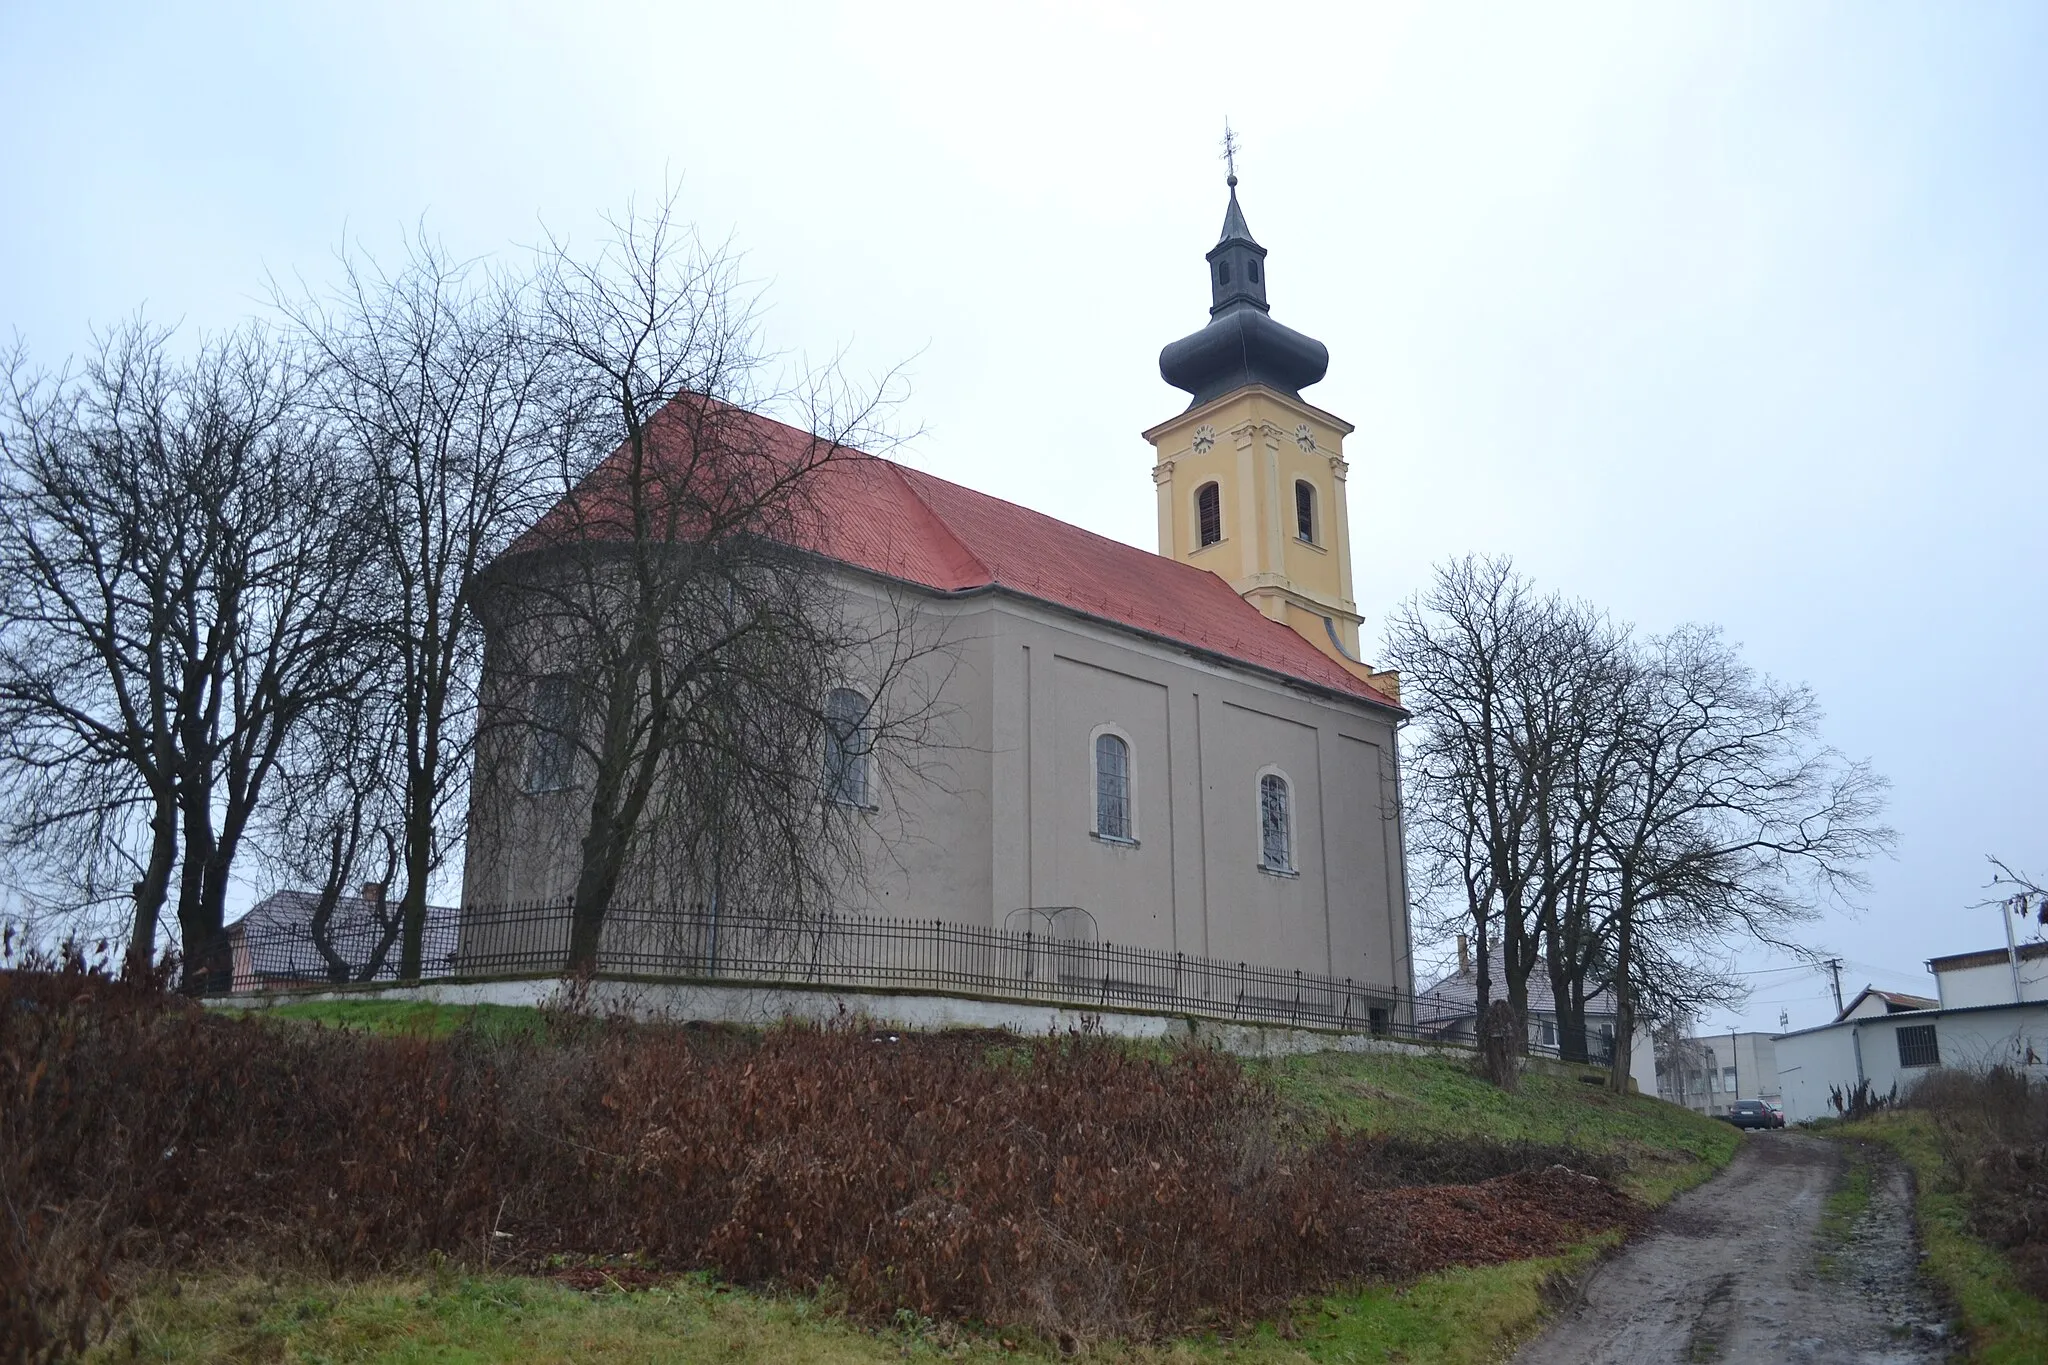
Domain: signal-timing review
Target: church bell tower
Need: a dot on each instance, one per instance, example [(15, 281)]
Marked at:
[(1251, 478)]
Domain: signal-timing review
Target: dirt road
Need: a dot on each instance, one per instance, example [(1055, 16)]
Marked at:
[(1741, 1270)]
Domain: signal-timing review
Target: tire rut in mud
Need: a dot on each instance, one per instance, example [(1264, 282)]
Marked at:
[(1739, 1270)]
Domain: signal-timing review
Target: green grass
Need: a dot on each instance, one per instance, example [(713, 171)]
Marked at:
[(2004, 1324), (409, 1017), (469, 1319), (1667, 1148), (1843, 1206), (1456, 1317)]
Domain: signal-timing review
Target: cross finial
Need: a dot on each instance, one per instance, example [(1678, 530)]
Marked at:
[(1230, 145)]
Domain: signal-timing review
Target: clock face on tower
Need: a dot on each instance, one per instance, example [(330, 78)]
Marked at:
[(1205, 438), (1305, 438)]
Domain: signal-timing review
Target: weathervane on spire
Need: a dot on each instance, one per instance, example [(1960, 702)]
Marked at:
[(1229, 157)]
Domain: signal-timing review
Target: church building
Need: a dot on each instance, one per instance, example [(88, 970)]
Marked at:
[(1180, 751)]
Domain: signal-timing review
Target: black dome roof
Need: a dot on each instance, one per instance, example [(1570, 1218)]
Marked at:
[(1242, 344)]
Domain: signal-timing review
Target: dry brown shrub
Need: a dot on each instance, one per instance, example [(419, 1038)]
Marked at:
[(1992, 1129), (1071, 1185)]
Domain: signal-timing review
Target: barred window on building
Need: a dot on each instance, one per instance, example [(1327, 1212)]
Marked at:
[(1917, 1046)]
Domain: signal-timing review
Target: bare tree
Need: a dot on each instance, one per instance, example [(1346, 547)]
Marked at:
[(2017, 891), (177, 553), (1617, 810), (336, 817), (1735, 819), (433, 385), (1506, 687), (666, 649), (92, 583)]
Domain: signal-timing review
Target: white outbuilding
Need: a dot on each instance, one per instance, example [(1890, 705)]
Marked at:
[(1991, 1009)]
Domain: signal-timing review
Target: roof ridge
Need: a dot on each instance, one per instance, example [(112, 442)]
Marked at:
[(902, 474)]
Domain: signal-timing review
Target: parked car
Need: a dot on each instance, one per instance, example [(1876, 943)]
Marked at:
[(1752, 1114)]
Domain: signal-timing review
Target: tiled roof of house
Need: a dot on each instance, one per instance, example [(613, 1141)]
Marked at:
[(885, 518), (277, 935)]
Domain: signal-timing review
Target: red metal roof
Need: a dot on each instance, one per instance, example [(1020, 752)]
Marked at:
[(877, 515)]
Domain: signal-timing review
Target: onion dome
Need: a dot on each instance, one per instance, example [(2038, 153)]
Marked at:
[(1242, 344)]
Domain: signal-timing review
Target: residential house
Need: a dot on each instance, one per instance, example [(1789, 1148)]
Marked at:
[(278, 946)]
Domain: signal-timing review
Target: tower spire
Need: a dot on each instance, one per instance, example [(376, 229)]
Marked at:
[(1241, 345), (1234, 226)]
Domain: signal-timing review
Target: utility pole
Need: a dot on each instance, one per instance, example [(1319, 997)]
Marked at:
[(1834, 966), (2012, 951)]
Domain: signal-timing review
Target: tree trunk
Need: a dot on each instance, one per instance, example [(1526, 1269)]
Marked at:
[(1571, 1011), (152, 890), (412, 913), (1624, 1008)]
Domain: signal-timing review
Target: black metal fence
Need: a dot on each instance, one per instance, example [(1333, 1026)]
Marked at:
[(695, 944)]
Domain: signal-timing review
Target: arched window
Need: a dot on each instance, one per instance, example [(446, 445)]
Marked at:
[(1112, 787), (1251, 270), (1209, 513), (550, 762), (1305, 511), (1276, 820), (848, 739), (1223, 272)]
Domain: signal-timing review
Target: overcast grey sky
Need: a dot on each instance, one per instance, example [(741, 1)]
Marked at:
[(1733, 313)]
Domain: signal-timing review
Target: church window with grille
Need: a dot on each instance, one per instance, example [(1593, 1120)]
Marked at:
[(1276, 835), (1112, 787), (848, 738), (1209, 513), (551, 760), (1305, 511)]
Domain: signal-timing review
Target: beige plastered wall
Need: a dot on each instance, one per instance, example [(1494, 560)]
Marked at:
[(994, 812)]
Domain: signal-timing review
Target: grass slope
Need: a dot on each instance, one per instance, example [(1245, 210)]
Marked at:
[(1667, 1148), (2005, 1325), (410, 1017), (1457, 1317)]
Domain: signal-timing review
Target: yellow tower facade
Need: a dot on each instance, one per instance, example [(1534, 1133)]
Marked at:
[(1251, 478), (1251, 487)]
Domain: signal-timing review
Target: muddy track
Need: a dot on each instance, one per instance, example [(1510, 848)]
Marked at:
[(1739, 1270)]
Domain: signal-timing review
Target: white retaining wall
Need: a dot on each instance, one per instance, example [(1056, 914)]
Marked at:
[(762, 1005)]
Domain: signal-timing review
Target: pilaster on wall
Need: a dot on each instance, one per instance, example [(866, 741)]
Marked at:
[(1040, 700), (1190, 844), (1340, 510), (1251, 557), (1010, 779)]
